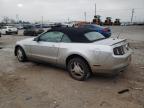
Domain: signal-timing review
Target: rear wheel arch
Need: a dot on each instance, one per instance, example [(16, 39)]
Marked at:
[(76, 56)]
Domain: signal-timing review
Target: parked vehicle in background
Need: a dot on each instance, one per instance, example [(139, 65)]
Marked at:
[(97, 20), (42, 25), (67, 24), (81, 51), (108, 21), (9, 30), (117, 22), (58, 25), (32, 31), (103, 30), (19, 27)]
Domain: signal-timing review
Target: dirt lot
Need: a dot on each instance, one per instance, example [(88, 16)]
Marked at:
[(33, 85)]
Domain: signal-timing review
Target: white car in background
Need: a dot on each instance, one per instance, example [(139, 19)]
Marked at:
[(8, 30)]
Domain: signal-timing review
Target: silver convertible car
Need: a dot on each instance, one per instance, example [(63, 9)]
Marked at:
[(81, 51)]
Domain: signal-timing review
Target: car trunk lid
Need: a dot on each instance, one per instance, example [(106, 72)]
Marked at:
[(110, 41)]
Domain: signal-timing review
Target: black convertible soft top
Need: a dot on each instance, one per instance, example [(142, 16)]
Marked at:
[(75, 34)]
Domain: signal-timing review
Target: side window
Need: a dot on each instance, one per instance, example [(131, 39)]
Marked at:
[(53, 36), (65, 39)]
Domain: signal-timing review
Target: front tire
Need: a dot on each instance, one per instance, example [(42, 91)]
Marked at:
[(20, 54), (78, 69)]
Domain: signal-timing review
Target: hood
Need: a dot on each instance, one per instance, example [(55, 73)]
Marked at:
[(25, 40), (109, 41)]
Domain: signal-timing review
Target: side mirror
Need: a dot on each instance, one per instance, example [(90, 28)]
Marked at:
[(36, 39)]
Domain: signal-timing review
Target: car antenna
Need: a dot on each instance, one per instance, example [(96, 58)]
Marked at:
[(120, 32)]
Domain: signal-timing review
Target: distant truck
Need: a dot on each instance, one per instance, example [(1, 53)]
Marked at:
[(97, 20), (108, 21), (8, 30), (32, 31), (117, 22)]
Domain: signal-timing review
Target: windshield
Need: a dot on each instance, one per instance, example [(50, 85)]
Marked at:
[(94, 36)]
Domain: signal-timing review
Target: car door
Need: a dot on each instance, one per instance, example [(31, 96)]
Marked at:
[(47, 46)]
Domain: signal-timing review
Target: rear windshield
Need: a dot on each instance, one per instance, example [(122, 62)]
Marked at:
[(94, 36)]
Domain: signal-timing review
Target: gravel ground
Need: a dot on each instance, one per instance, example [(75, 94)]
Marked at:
[(34, 85)]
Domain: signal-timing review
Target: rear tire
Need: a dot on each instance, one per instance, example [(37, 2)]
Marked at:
[(20, 54), (78, 69)]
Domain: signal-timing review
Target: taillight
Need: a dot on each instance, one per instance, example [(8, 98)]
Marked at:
[(105, 29), (119, 50)]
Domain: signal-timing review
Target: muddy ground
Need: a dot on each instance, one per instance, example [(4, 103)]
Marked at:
[(34, 85)]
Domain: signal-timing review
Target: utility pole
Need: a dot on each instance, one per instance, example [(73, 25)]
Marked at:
[(95, 9), (85, 16), (132, 15)]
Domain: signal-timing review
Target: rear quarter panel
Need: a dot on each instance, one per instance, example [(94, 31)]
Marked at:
[(90, 52)]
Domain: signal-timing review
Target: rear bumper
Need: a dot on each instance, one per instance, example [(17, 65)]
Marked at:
[(111, 71), (113, 65)]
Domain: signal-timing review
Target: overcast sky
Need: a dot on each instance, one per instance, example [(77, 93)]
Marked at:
[(61, 10)]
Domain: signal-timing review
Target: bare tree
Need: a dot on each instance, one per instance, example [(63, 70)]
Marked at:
[(5, 20)]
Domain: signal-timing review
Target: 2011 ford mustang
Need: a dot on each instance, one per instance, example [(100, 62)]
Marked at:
[(81, 51)]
